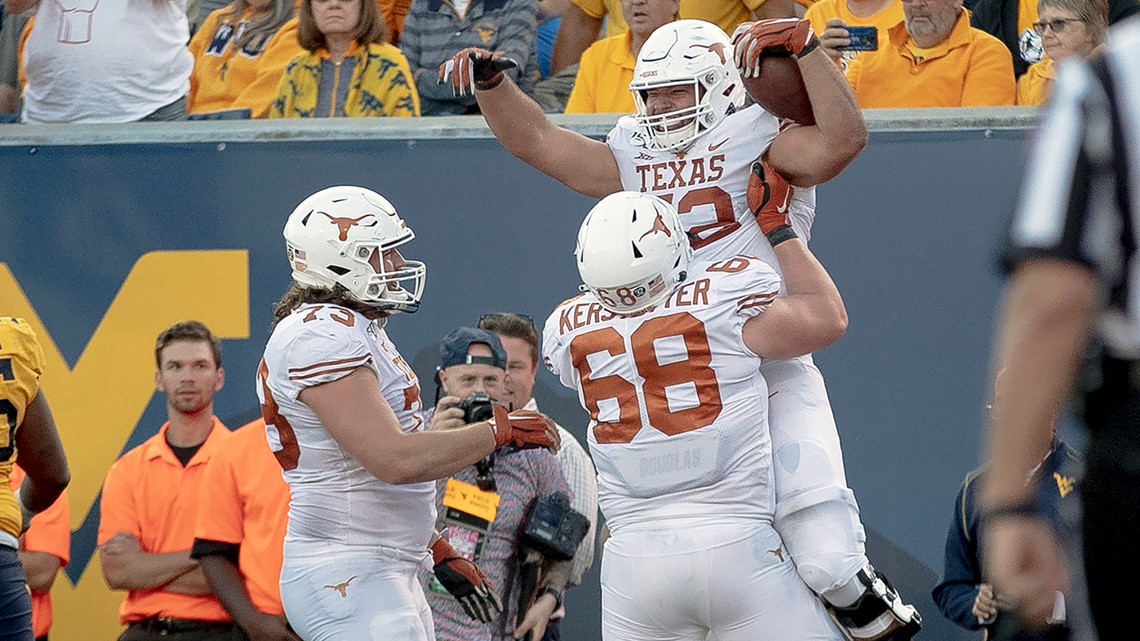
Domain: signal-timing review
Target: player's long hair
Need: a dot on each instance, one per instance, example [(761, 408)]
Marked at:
[(297, 296)]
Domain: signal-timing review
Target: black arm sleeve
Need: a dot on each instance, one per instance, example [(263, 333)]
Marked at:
[(208, 547)]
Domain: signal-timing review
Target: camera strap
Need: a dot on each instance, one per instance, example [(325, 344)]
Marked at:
[(485, 478)]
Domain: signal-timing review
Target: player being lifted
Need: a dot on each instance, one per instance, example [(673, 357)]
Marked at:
[(665, 356), (694, 143), (342, 412)]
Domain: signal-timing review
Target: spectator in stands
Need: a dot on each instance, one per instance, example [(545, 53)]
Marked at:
[(105, 61), (349, 68), (395, 12), (240, 53), (44, 548), (934, 58), (583, 20), (520, 340), (964, 596), (241, 530), (549, 17), (473, 360), (149, 506), (434, 32), (606, 69), (1011, 21), (830, 19), (1068, 28), (10, 86)]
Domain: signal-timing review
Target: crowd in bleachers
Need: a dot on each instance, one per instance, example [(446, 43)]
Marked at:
[(108, 61)]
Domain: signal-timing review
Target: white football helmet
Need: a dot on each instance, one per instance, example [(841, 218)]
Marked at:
[(632, 251), (336, 239), (686, 52)]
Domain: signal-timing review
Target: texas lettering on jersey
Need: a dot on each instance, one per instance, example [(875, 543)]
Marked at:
[(708, 183), (679, 173)]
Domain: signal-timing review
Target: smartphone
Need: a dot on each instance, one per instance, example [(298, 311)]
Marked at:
[(862, 39)]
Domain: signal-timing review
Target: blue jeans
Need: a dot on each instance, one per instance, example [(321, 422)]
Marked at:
[(15, 601)]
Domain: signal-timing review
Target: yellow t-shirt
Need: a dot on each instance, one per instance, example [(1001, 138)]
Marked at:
[(224, 78), (970, 69), (726, 14), (602, 86), (1033, 86), (21, 365)]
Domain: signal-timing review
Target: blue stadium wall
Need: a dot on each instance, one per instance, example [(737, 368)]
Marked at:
[(109, 234)]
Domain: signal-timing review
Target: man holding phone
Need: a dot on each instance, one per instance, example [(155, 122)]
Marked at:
[(934, 59), (848, 27)]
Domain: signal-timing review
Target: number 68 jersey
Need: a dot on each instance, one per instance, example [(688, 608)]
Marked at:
[(334, 498), (677, 404)]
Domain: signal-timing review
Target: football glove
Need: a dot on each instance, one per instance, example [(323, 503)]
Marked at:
[(769, 198), (473, 68), (524, 429), (466, 582), (780, 37)]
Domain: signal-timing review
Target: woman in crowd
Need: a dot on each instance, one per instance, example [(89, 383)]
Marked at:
[(1067, 28), (240, 52), (349, 70)]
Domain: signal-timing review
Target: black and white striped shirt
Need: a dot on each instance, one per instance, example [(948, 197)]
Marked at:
[(1080, 198)]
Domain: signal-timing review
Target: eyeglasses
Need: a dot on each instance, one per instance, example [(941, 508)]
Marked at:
[(496, 318), (1057, 25)]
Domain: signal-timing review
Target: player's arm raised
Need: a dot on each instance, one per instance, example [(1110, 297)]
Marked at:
[(356, 415), (585, 165), (812, 315), (813, 154)]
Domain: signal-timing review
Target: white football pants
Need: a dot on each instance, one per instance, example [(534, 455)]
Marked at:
[(693, 580), (816, 513), (337, 593)]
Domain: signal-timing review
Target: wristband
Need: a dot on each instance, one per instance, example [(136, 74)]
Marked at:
[(487, 85), (809, 47), (1024, 510), (557, 594), (780, 234)]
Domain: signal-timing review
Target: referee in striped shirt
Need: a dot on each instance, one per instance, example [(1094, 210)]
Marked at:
[(1075, 281)]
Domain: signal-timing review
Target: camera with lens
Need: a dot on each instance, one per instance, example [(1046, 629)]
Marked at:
[(554, 529), (476, 407)]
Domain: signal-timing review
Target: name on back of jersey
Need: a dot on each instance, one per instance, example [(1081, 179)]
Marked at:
[(587, 311)]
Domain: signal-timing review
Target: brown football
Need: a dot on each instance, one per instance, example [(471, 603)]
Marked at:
[(780, 89)]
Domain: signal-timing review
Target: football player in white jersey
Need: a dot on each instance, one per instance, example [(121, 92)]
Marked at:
[(665, 356), (694, 142), (343, 417)]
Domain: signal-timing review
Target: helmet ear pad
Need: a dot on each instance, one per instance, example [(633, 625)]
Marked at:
[(338, 238), (632, 251), (685, 53)]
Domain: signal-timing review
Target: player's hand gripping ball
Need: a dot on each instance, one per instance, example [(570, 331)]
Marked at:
[(766, 52)]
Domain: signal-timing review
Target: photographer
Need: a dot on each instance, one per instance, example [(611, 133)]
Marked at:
[(483, 509), (520, 340)]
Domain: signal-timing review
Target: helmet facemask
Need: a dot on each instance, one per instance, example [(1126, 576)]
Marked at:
[(685, 53), (337, 238)]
